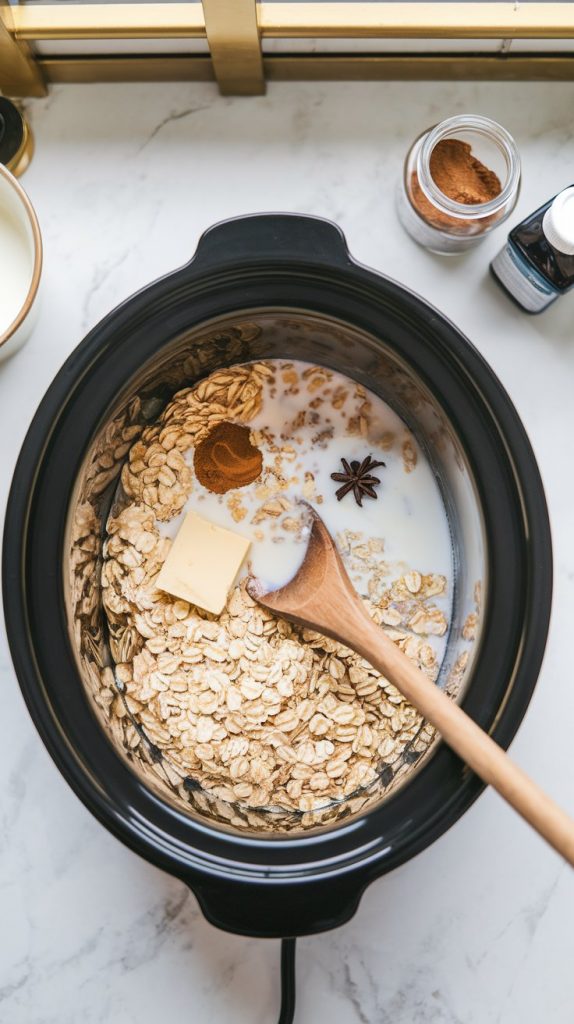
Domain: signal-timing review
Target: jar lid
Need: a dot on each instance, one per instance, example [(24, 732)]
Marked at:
[(16, 142), (558, 222)]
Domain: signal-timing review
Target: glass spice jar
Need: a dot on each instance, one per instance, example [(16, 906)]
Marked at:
[(461, 179)]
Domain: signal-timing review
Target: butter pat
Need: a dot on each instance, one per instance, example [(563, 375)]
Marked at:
[(203, 563)]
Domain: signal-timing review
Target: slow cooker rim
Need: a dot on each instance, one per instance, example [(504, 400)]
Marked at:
[(32, 453)]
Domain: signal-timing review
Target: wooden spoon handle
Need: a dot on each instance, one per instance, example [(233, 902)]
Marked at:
[(322, 597), (464, 736)]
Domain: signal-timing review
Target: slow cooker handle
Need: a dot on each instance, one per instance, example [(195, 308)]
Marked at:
[(273, 237), (274, 911)]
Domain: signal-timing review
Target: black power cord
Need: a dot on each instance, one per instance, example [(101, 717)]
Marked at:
[(287, 1012)]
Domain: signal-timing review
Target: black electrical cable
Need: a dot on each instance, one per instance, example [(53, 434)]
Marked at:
[(287, 1012)]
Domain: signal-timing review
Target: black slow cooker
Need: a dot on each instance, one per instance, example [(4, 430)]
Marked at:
[(274, 286)]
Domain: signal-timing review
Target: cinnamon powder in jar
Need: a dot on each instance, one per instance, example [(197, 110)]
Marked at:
[(461, 177)]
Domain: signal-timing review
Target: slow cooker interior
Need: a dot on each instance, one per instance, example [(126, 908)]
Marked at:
[(263, 333)]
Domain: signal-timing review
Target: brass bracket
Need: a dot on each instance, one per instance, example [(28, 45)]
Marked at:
[(19, 74), (235, 46)]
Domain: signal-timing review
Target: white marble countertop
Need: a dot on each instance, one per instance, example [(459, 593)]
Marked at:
[(477, 929)]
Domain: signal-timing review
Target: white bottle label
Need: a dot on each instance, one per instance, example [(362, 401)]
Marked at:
[(524, 283)]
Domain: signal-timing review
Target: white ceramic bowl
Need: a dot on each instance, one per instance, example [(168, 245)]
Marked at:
[(20, 264)]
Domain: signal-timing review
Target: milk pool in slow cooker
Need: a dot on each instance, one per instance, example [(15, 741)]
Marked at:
[(317, 429), (244, 706)]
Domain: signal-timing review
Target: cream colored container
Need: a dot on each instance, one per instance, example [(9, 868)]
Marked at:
[(20, 264)]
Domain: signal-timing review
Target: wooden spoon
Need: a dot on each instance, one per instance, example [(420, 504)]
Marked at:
[(322, 597)]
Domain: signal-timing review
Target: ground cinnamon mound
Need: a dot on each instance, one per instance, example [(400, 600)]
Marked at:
[(460, 176), (226, 458)]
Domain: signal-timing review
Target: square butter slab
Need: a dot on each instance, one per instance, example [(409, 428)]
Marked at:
[(203, 563)]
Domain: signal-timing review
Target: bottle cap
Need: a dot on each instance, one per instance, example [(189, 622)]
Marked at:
[(16, 141), (558, 222)]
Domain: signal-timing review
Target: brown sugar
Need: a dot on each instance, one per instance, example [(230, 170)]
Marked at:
[(226, 459), (461, 177)]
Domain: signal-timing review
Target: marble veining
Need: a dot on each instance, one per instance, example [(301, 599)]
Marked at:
[(477, 929)]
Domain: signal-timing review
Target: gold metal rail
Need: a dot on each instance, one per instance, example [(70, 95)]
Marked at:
[(408, 20), (313, 68), (42, 22), (296, 21), (235, 29)]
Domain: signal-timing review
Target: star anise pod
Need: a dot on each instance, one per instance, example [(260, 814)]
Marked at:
[(357, 478)]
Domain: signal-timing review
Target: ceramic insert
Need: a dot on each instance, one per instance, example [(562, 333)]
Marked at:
[(259, 720)]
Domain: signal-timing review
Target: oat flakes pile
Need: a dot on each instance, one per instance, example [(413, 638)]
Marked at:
[(245, 706)]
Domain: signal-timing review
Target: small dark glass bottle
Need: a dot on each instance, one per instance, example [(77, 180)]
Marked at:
[(536, 265)]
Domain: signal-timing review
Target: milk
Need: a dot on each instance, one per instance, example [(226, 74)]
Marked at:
[(408, 514), (16, 263)]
